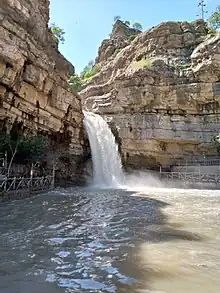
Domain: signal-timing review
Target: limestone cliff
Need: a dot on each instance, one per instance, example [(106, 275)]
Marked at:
[(121, 36), (162, 90), (33, 79)]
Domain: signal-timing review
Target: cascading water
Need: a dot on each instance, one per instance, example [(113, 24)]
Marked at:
[(107, 166)]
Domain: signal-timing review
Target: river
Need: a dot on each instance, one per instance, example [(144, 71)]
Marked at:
[(90, 240)]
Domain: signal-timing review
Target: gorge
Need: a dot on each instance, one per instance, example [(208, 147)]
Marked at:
[(150, 99), (159, 87)]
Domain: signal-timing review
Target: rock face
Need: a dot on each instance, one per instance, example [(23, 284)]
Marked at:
[(121, 36), (163, 92), (33, 80)]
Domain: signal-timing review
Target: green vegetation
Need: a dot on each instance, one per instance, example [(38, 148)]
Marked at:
[(117, 17), (88, 72), (58, 33), (137, 26), (21, 148), (118, 50), (214, 19), (76, 81), (216, 140), (163, 145), (143, 63), (127, 22), (131, 37)]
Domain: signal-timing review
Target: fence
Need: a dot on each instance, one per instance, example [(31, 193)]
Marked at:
[(37, 183), (200, 161), (191, 177), (16, 188)]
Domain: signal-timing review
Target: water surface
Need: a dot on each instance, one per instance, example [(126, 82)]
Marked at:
[(81, 240)]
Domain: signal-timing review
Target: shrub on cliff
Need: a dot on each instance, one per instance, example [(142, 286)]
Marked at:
[(216, 140), (141, 64), (75, 83), (137, 26), (214, 19), (117, 50), (58, 33), (89, 72), (117, 17)]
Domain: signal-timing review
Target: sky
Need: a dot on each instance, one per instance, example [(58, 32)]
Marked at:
[(88, 22)]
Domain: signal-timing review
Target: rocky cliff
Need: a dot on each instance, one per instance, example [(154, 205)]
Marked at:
[(163, 91), (33, 81)]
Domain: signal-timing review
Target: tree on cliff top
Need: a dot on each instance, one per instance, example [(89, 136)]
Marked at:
[(117, 17), (137, 26), (214, 19), (58, 33)]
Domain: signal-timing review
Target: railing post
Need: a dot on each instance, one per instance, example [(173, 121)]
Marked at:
[(5, 185), (31, 176), (5, 161), (53, 177)]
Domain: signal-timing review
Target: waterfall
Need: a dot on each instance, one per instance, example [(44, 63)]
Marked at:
[(107, 166)]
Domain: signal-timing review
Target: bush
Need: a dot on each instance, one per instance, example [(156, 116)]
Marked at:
[(75, 83), (216, 140), (137, 26), (214, 20), (131, 37), (91, 72), (143, 63), (118, 50), (58, 33), (127, 23), (22, 148)]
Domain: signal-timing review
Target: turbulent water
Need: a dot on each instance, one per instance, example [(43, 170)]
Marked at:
[(87, 240), (107, 167), (136, 239)]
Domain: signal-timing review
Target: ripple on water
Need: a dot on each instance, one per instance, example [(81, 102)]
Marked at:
[(107, 241)]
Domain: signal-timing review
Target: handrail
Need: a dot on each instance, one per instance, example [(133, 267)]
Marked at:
[(14, 183)]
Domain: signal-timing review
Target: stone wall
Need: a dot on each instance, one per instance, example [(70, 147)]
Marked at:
[(33, 79)]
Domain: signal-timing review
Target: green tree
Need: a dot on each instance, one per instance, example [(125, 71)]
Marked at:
[(137, 26), (216, 140), (21, 148), (91, 72), (127, 22), (58, 33), (32, 147), (75, 83), (214, 19), (90, 69), (117, 17), (87, 68)]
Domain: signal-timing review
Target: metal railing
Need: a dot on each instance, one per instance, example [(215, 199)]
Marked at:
[(32, 184), (191, 177), (200, 161)]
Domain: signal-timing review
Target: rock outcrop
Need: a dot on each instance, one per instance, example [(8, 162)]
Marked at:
[(33, 81), (121, 37), (163, 92)]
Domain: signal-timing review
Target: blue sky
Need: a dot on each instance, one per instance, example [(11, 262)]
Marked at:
[(87, 22)]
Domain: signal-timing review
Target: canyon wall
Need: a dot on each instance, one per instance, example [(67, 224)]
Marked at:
[(163, 91), (33, 82)]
